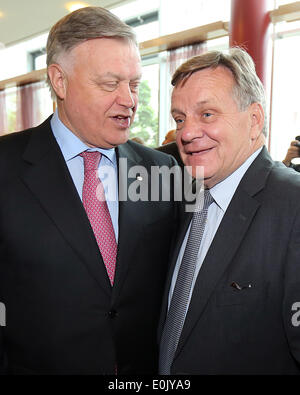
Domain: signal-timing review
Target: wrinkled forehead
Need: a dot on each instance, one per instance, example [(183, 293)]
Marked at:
[(215, 75), (209, 81)]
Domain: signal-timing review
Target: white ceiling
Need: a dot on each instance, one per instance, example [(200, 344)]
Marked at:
[(26, 18)]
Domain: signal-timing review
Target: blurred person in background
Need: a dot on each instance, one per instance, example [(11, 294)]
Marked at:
[(292, 153)]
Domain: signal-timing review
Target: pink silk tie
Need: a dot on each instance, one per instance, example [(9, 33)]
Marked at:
[(95, 205)]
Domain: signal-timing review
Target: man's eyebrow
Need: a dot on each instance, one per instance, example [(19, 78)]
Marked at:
[(110, 75), (116, 76), (176, 111)]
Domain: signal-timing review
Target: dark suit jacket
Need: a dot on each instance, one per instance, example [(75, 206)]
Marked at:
[(62, 316), (248, 331)]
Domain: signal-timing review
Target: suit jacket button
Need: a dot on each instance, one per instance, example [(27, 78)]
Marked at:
[(112, 314)]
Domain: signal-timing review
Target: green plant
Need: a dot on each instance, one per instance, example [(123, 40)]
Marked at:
[(145, 124)]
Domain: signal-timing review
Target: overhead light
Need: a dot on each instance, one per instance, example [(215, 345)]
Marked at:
[(75, 5), (1, 14)]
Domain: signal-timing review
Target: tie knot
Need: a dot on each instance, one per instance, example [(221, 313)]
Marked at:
[(208, 199), (203, 201), (91, 160)]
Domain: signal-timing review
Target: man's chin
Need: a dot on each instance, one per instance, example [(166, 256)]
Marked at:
[(119, 140), (196, 171)]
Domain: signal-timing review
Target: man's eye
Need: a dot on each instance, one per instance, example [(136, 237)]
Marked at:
[(134, 87), (207, 114), (179, 123), (110, 86)]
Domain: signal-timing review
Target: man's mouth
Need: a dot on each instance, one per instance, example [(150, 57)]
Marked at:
[(122, 120), (200, 152)]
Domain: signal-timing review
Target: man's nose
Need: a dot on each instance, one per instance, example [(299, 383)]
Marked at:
[(191, 129), (125, 96)]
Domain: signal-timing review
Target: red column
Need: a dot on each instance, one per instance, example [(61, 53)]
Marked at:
[(249, 25)]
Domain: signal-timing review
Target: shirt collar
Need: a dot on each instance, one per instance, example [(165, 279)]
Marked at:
[(224, 191), (71, 146)]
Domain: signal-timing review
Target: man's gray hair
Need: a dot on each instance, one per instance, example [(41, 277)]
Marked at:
[(248, 88), (82, 25)]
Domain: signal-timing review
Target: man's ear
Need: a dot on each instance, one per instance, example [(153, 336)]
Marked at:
[(257, 119), (58, 80)]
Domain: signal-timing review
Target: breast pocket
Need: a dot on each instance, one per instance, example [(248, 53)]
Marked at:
[(240, 311), (230, 295)]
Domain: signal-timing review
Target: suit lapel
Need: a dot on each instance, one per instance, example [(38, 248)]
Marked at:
[(130, 225), (46, 175), (184, 221), (227, 240)]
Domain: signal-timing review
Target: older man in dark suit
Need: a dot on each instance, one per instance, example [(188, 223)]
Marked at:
[(83, 263), (233, 293)]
